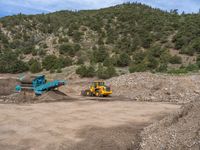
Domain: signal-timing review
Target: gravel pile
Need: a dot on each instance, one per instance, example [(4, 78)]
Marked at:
[(18, 98), (156, 87), (7, 86), (29, 97), (177, 131)]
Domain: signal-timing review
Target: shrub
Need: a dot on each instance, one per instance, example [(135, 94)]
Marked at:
[(107, 62), (9, 63), (187, 50), (19, 67), (69, 49), (49, 62), (77, 36), (85, 71), (106, 72), (101, 72), (111, 71), (77, 47), (52, 62), (196, 45), (175, 60), (63, 40), (28, 49), (80, 61), (66, 48), (123, 60), (35, 67), (59, 70), (141, 67), (100, 55), (162, 68), (177, 71), (41, 52), (192, 67), (152, 62)]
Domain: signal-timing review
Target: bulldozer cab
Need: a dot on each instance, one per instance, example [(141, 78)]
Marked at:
[(98, 83), (98, 89)]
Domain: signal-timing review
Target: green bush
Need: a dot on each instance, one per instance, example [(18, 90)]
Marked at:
[(69, 49), (196, 45), (141, 67), (101, 72), (111, 71), (100, 55), (63, 40), (187, 50), (52, 62), (107, 62), (41, 52), (175, 60), (28, 49), (80, 61), (66, 49), (192, 67), (152, 63), (35, 67), (77, 36), (77, 47), (123, 60), (59, 70), (49, 62), (85, 71), (106, 72), (162, 68), (9, 63), (178, 71)]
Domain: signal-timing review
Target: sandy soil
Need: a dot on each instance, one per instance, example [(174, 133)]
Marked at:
[(77, 125)]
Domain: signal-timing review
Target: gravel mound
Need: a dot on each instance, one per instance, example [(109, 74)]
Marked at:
[(51, 96), (156, 87), (29, 97), (177, 131), (7, 86)]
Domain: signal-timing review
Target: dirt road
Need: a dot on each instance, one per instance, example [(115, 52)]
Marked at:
[(77, 125)]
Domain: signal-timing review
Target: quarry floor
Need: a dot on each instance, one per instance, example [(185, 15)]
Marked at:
[(77, 124)]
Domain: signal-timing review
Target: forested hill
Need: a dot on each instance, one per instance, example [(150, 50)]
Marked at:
[(133, 35)]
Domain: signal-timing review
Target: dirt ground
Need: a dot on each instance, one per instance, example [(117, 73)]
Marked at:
[(143, 113), (77, 125)]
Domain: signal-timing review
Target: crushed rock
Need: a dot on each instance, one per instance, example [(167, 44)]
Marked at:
[(7, 86), (177, 131), (29, 97), (156, 87)]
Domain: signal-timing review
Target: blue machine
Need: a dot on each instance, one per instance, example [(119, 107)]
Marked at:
[(38, 84)]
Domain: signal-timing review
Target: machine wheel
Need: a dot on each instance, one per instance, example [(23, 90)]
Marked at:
[(98, 94), (86, 93), (83, 93), (101, 95)]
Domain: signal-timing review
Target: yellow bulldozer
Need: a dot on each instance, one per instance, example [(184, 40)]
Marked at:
[(98, 89)]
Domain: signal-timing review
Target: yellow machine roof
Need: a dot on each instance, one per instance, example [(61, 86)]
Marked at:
[(98, 81)]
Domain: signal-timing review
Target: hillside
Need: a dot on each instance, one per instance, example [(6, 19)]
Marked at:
[(133, 35)]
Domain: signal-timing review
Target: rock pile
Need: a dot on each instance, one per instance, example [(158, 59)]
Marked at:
[(156, 87), (29, 97), (177, 131), (7, 86)]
